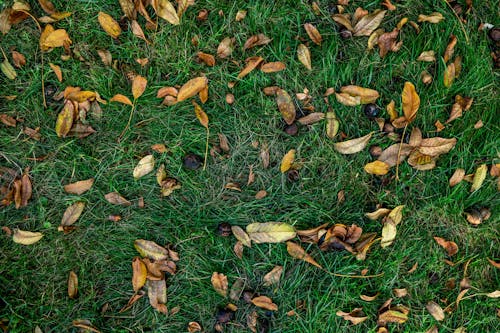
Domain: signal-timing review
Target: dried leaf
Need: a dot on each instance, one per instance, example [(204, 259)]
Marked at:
[(116, 199), (85, 325), (241, 235), (80, 130), (272, 67), (79, 187), (138, 86), (109, 25), (121, 99), (435, 310), (378, 168), (219, 282), (365, 95), (57, 71), (434, 17), (8, 120), (287, 161), (137, 31), (313, 33), (479, 177), (225, 48), (367, 298), (51, 38), (449, 75), (237, 289), (494, 294), (400, 292), (128, 9), (297, 252), (139, 273), (256, 40), (145, 166), (373, 39), (208, 59), (304, 56), (18, 59), (157, 293), (150, 249), (72, 213), (457, 177), (355, 316), (461, 104), (26, 190), (264, 302), (388, 234), (251, 64), (353, 146), (106, 57), (449, 246), (193, 327), (286, 106), (381, 212), (332, 124), (192, 87), (368, 23), (343, 21), (411, 101), (270, 232), (65, 120), (260, 195), (166, 11), (72, 285), (240, 15), (387, 42), (200, 115), (264, 156), (450, 48), (312, 118), (429, 56), (391, 110), (393, 316), (273, 277), (26, 237), (436, 146)]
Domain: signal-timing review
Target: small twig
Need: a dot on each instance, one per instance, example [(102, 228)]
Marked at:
[(355, 276), (129, 121), (459, 21), (206, 151), (399, 152)]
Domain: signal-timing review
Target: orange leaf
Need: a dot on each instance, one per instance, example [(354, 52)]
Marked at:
[(208, 59), (449, 246), (264, 302), (138, 86), (313, 33), (411, 101), (191, 88), (252, 63), (201, 115), (57, 70), (297, 252), (121, 99), (109, 24)]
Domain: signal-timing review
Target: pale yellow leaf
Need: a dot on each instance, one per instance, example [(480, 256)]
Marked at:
[(368, 23), (145, 166), (353, 146), (304, 56), (479, 177), (72, 213), (26, 237), (241, 235), (270, 232), (150, 249)]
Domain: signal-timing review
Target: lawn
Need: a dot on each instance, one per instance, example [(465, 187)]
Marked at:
[(34, 278)]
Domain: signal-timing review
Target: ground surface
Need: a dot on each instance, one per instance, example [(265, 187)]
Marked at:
[(33, 279)]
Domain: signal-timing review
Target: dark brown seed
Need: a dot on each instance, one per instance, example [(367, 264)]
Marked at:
[(375, 151), (224, 229), (494, 34), (345, 33), (292, 129), (485, 213), (192, 161), (224, 316), (388, 128), (293, 175)]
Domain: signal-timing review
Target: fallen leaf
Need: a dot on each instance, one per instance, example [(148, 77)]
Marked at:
[(355, 316), (18, 59), (313, 33), (411, 101), (332, 124), (193, 327), (494, 263), (449, 75), (311, 118), (157, 294), (150, 249), (191, 88), (270, 232), (449, 246), (400, 292), (461, 104), (435, 310), (208, 59), (241, 235), (373, 39), (166, 11), (72, 213), (256, 40), (72, 285), (237, 289), (240, 15), (387, 42), (264, 156), (393, 316), (378, 168), (225, 48), (343, 20), (8, 120), (145, 166), (137, 31), (450, 48), (85, 325), (261, 194), (109, 25), (457, 177), (494, 294), (434, 17), (428, 56), (352, 146), (106, 57), (219, 282), (368, 23), (369, 298), (128, 9), (139, 274), (273, 277), (287, 161), (365, 95), (121, 99), (51, 38), (286, 106), (297, 252), (116, 199), (80, 130), (304, 56), (251, 64), (138, 86), (26, 237), (200, 115), (272, 67), (65, 119), (264, 302), (436, 146), (479, 177), (252, 321), (79, 187)]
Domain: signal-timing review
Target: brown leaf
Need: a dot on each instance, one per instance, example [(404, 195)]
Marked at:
[(365, 95), (387, 42), (240, 15), (57, 71), (116, 199), (449, 75), (166, 11), (273, 277), (313, 33), (18, 59), (264, 156), (311, 118), (272, 67), (157, 293), (139, 273), (106, 57), (8, 120), (368, 23), (137, 31), (109, 25), (393, 316), (436, 146), (457, 177), (390, 155), (411, 101), (47, 6), (193, 327), (238, 249), (200, 115), (332, 124), (241, 235), (260, 195), (80, 130), (400, 292), (79, 187), (297, 252), (304, 56), (367, 298), (251, 64), (431, 18), (449, 246), (237, 289), (72, 213), (192, 87), (208, 59), (428, 56), (85, 325), (26, 237), (167, 91), (225, 48), (286, 106), (256, 40), (219, 282), (494, 263), (435, 310), (121, 99), (72, 285), (287, 161), (450, 48), (378, 168), (355, 316), (461, 104), (223, 142), (264, 302), (26, 189), (138, 86), (343, 21), (352, 146)]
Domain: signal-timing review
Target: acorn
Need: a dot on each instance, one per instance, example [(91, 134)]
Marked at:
[(224, 229), (375, 151), (292, 129), (371, 110), (192, 161)]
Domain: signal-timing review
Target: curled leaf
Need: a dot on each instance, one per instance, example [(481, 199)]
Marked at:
[(264, 302), (273, 277), (219, 282), (449, 246), (72, 285), (251, 64), (355, 316), (365, 95), (166, 11), (225, 48), (434, 17), (241, 235), (200, 115)]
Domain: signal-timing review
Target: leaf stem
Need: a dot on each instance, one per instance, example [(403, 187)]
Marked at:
[(459, 21), (399, 152), (129, 121), (206, 150)]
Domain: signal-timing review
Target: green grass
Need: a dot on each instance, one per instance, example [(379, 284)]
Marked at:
[(33, 279)]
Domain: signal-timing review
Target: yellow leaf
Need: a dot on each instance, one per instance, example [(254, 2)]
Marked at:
[(241, 235), (411, 101), (365, 95), (191, 88), (109, 25), (378, 168), (270, 232), (57, 71), (26, 237), (145, 166), (252, 63), (353, 146), (150, 249), (121, 99), (8, 70), (343, 21), (72, 285), (479, 177), (435, 310), (138, 86), (286, 106), (54, 38), (139, 273), (396, 214), (449, 75), (388, 234), (65, 120), (264, 302), (219, 282), (391, 110), (287, 161), (378, 213), (304, 56), (72, 213), (313, 33), (200, 115), (166, 11), (431, 18), (297, 252)]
